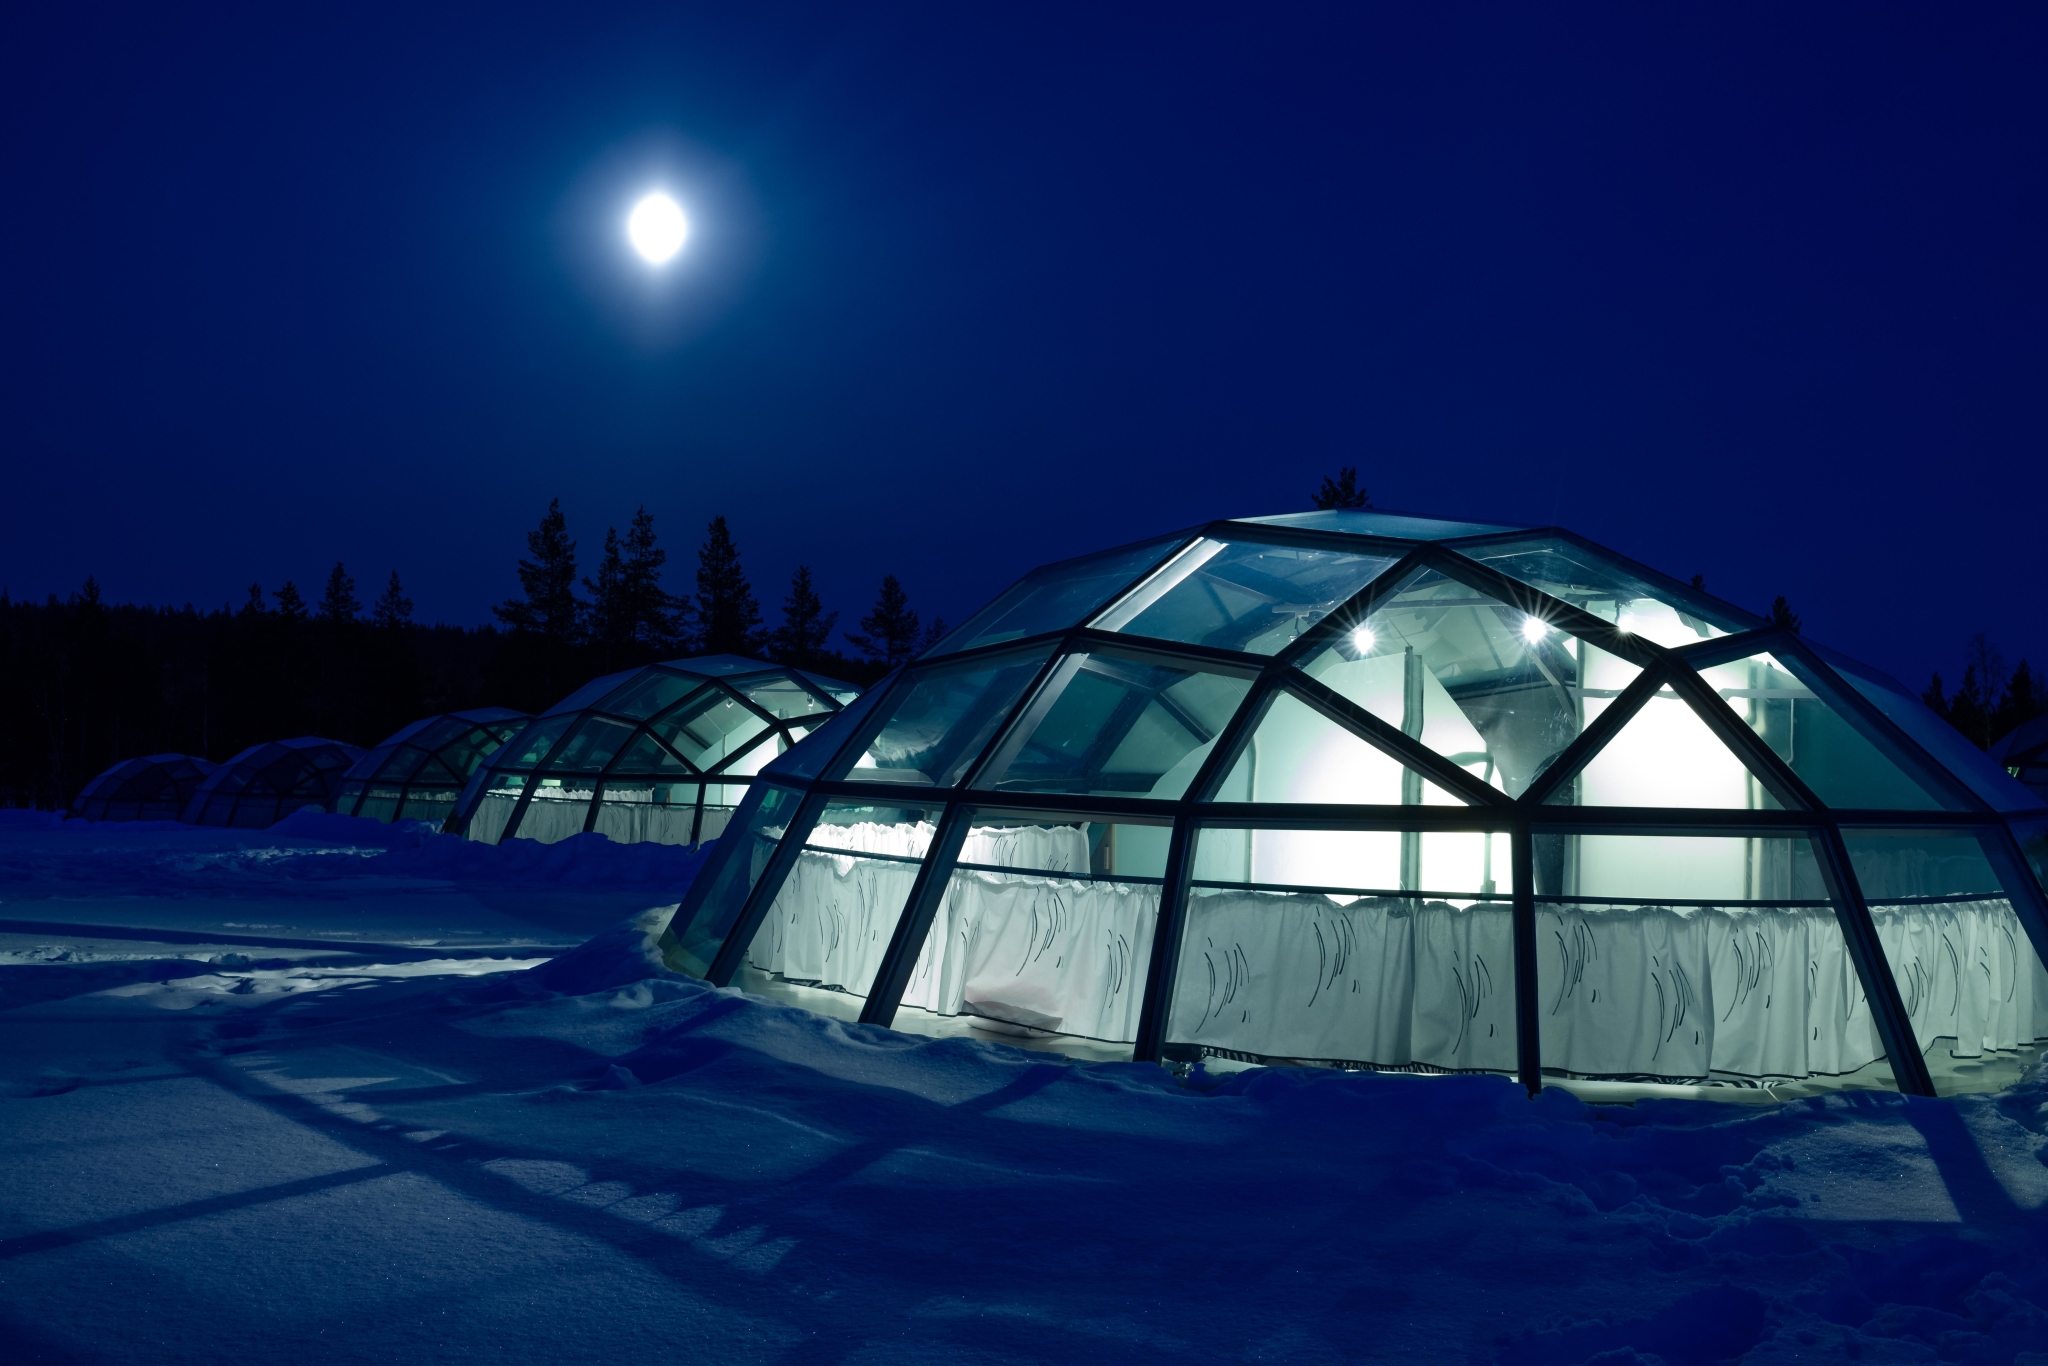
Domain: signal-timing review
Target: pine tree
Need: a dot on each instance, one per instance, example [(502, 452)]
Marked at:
[(659, 619), (1699, 581), (1783, 616), (933, 634), (2024, 700), (290, 605), (806, 625), (889, 634), (394, 608), (609, 617), (1341, 492), (1936, 697), (728, 617), (339, 602), (550, 607), (254, 606)]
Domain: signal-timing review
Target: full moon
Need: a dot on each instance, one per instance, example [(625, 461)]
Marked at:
[(657, 228)]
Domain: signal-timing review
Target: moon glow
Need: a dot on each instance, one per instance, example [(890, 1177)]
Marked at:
[(657, 228)]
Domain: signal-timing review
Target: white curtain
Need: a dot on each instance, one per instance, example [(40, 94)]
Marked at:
[(555, 813), (645, 822), (1967, 972)]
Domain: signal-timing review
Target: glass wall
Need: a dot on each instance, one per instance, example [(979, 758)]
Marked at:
[(1700, 961), (702, 924), (1966, 970), (1313, 946)]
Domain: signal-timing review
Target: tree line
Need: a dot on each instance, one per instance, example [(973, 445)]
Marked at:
[(85, 683)]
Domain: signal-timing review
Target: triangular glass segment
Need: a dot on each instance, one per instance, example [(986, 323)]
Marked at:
[(1117, 726), (645, 756), (1493, 689), (940, 717), (1816, 738), (1053, 597), (1668, 615), (1242, 595), (1299, 755), (1665, 755)]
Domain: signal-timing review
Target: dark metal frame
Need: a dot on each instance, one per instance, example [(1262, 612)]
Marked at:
[(368, 768), (1671, 669)]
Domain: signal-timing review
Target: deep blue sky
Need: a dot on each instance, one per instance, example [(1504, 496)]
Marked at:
[(1758, 294)]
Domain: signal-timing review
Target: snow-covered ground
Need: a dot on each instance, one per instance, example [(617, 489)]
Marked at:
[(335, 1092)]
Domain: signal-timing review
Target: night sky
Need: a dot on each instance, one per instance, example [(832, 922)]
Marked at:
[(1755, 294)]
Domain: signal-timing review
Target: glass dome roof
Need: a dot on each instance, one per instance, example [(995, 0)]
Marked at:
[(155, 788), (661, 753), (418, 773), (265, 783), (1365, 790)]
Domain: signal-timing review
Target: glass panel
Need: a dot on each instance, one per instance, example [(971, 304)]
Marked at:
[(533, 744), (591, 693), (1242, 595), (1665, 755), (634, 812), (1702, 962), (1367, 522), (1816, 740), (2024, 754), (1312, 946), (782, 697), (1489, 687), (1938, 738), (824, 936), (655, 690), (645, 755), (2033, 838), (463, 756), (1117, 726), (813, 758), (494, 807), (1669, 615), (742, 856), (592, 746), (938, 719), (1037, 944), (398, 763), (1966, 969), (709, 727), (1297, 754), (559, 809), (1055, 596)]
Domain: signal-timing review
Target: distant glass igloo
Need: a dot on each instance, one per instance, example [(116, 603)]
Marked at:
[(417, 774), (662, 753), (1365, 790), (265, 783), (155, 788)]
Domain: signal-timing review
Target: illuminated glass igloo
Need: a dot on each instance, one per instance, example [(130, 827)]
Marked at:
[(662, 753), (1365, 790), (265, 783), (154, 788), (418, 773)]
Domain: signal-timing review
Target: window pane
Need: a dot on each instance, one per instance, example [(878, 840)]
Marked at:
[(591, 747), (591, 693), (559, 808), (1366, 522), (1242, 595), (1707, 962), (709, 727), (742, 855), (1939, 738), (533, 744), (1323, 959), (812, 759), (940, 718), (1054, 597), (1033, 949), (494, 808), (1814, 737), (824, 936), (1665, 755), (2033, 838), (1668, 615), (653, 691), (1487, 686), (1118, 726), (1297, 754), (645, 755), (1965, 967), (782, 697)]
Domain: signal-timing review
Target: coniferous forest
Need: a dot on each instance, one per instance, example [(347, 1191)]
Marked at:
[(85, 683)]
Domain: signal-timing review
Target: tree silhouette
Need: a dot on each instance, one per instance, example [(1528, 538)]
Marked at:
[(339, 602), (550, 607), (290, 605), (1341, 492), (394, 608), (888, 634), (728, 616), (1783, 616), (806, 625)]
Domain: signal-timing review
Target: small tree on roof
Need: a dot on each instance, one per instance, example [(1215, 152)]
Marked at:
[(1342, 492)]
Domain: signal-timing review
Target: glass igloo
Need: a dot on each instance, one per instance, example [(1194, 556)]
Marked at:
[(154, 788), (417, 774), (265, 783), (1355, 789), (662, 753)]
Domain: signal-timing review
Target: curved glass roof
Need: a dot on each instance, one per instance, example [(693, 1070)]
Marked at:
[(661, 753), (1366, 790), (154, 788), (265, 783), (418, 773)]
